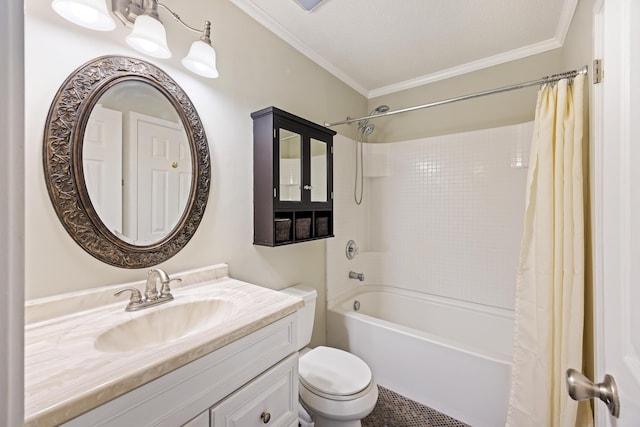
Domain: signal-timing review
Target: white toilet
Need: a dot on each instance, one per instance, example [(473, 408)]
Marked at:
[(336, 387)]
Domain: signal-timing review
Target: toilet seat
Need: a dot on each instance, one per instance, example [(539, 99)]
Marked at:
[(334, 374)]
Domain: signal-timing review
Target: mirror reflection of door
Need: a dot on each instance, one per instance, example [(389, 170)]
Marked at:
[(102, 165), (163, 167), (290, 166), (137, 163), (318, 171)]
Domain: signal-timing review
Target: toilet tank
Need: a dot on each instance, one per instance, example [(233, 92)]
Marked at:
[(306, 314)]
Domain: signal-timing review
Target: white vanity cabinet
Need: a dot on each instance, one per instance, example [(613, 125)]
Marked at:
[(249, 382)]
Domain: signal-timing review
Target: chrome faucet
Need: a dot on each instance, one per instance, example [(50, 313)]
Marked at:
[(151, 289), (354, 275), (151, 295)]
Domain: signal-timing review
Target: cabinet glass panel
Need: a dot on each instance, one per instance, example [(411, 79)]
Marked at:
[(318, 171), (290, 166)]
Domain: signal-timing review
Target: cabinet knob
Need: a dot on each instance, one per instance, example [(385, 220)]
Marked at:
[(265, 417), (308, 187)]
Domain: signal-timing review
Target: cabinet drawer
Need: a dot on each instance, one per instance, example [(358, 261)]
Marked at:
[(269, 400)]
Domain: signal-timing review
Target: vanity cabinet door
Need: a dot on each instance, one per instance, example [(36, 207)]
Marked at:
[(201, 420), (269, 400)]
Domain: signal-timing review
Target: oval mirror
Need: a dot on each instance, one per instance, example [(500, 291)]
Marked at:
[(126, 162)]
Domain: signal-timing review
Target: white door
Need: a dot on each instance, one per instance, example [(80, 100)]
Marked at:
[(164, 177), (102, 165), (616, 104)]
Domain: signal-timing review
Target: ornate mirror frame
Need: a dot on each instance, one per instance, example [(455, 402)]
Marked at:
[(63, 169)]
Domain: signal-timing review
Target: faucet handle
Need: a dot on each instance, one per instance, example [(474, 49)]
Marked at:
[(165, 290), (351, 250), (134, 299)]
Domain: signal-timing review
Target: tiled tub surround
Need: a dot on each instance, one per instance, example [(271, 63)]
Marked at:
[(441, 215), (65, 375)]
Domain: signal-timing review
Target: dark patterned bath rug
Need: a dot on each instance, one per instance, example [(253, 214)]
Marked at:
[(393, 410)]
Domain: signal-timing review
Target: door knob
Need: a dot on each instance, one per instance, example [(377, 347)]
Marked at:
[(582, 388)]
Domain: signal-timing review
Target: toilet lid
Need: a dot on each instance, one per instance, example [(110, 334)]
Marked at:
[(335, 372)]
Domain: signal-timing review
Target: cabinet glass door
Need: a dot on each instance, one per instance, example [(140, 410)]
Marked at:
[(318, 171), (290, 166)]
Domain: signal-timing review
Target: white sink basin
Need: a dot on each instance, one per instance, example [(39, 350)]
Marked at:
[(164, 324)]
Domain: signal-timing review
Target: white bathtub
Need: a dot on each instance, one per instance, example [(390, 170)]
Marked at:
[(450, 355)]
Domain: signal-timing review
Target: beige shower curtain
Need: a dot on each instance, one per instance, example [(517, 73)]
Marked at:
[(550, 284)]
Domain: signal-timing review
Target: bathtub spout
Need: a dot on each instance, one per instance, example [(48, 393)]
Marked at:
[(354, 275)]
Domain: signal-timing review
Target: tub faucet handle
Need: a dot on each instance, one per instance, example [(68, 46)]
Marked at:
[(351, 250)]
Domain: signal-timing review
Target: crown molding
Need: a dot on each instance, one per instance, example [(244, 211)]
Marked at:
[(467, 68), (566, 16)]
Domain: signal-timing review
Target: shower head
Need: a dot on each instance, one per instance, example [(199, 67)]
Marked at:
[(364, 125), (380, 110), (367, 129)]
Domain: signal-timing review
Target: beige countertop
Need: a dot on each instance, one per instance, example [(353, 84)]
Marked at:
[(65, 375)]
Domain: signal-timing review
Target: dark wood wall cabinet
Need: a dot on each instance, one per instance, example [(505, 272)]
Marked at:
[(292, 179)]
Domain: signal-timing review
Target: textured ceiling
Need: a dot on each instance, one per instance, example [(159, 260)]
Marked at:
[(382, 46)]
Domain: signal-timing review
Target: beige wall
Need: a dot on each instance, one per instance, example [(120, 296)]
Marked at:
[(257, 70), (480, 113), (577, 48)]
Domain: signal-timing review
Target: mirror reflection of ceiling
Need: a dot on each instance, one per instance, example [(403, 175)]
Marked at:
[(140, 97)]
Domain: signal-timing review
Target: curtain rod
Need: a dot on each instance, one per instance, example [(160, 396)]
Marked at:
[(544, 80)]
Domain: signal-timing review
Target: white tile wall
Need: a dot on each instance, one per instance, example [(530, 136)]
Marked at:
[(441, 215)]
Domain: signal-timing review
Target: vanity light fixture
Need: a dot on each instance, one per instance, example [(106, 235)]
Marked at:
[(148, 34)]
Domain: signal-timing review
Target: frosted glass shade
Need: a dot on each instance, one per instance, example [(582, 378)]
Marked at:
[(92, 14), (201, 60), (149, 37)]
